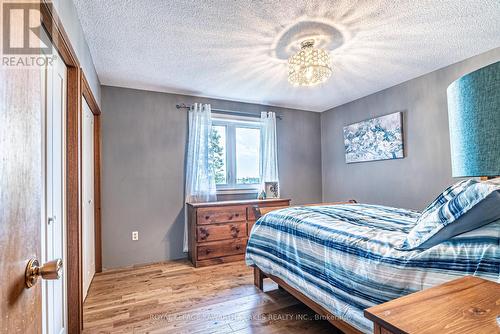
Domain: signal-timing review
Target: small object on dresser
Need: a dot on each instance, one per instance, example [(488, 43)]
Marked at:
[(272, 189), (462, 306), (262, 195)]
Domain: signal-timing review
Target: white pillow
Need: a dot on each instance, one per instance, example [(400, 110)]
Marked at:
[(477, 204)]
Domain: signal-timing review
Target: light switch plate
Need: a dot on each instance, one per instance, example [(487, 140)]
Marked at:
[(135, 235)]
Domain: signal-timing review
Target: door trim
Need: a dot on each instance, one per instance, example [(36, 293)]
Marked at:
[(94, 107), (89, 96), (76, 81)]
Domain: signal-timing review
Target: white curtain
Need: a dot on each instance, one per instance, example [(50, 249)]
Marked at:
[(200, 180), (268, 149)]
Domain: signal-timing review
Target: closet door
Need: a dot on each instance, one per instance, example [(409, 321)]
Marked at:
[(88, 237)]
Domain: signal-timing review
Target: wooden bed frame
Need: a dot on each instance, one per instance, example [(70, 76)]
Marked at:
[(259, 275), (258, 280)]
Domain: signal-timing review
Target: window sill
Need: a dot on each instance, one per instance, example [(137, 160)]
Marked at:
[(237, 191)]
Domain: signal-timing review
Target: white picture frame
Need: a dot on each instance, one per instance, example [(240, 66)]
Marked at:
[(271, 189)]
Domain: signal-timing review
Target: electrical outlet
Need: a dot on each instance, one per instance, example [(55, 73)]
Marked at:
[(135, 235)]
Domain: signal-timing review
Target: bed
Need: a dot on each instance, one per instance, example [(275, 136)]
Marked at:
[(342, 259)]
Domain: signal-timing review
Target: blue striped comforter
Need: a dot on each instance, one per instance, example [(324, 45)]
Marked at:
[(344, 257)]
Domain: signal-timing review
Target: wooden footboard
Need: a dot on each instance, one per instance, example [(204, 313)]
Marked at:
[(258, 277)]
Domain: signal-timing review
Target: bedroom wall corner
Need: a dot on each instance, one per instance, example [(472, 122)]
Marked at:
[(67, 12)]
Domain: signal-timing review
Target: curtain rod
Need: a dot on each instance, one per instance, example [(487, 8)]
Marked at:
[(230, 112)]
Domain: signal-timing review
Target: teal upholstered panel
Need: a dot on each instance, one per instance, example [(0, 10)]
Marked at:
[(474, 116)]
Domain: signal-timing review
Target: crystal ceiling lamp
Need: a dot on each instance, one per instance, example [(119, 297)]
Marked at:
[(310, 66)]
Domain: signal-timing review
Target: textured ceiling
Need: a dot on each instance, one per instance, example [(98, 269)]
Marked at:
[(237, 49)]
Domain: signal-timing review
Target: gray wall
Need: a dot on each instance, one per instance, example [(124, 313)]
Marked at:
[(69, 17), (144, 143), (411, 182)]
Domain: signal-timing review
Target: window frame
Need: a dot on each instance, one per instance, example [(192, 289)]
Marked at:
[(231, 122)]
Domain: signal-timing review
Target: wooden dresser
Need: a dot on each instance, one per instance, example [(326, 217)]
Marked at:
[(218, 231)]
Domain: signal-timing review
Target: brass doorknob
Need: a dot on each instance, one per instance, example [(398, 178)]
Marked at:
[(51, 270)]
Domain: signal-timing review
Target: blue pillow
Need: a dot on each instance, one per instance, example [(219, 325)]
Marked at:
[(474, 206)]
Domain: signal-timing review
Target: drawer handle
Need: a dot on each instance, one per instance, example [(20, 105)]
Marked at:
[(230, 217), (237, 215), (238, 247), (234, 231), (207, 251), (207, 217), (204, 233)]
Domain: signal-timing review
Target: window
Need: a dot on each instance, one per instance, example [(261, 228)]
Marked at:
[(235, 152)]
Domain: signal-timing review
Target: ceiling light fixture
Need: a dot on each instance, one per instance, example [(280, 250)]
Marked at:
[(309, 66)]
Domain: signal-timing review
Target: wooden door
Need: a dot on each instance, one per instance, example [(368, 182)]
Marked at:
[(20, 196)]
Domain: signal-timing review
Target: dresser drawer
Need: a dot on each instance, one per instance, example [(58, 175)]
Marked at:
[(221, 215), (221, 232), (222, 248)]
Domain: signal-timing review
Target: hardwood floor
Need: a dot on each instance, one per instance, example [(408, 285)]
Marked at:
[(175, 297)]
